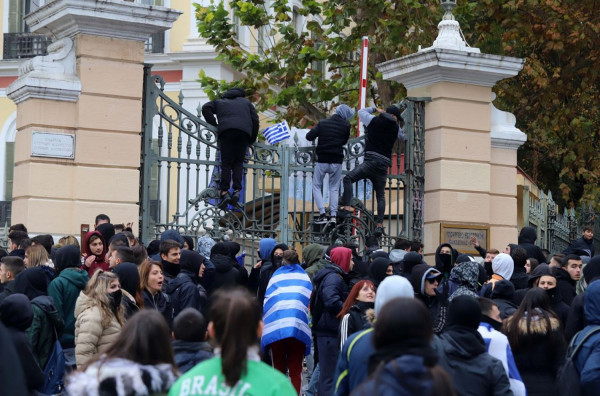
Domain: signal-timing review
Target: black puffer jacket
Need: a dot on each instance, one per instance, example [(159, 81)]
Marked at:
[(527, 238), (185, 292), (233, 111), (333, 134), (566, 286), (330, 284)]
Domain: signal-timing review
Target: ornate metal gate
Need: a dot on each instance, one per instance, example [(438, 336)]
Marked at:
[(180, 178)]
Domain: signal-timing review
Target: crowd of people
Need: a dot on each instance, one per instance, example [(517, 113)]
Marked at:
[(185, 316)]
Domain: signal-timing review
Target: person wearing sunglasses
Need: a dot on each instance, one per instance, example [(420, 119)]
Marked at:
[(425, 280)]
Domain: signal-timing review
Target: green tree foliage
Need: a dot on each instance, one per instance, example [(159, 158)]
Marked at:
[(555, 97)]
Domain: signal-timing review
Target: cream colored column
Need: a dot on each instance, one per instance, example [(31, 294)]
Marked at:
[(461, 165), (89, 87)]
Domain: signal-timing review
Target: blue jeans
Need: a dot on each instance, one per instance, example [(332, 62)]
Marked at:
[(335, 176), (375, 169)]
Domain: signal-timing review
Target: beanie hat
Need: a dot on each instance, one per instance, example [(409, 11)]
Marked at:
[(394, 111), (411, 259), (344, 111), (464, 311)]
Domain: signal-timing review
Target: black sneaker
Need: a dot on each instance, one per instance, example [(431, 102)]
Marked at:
[(234, 198), (322, 219), (224, 201), (378, 232), (343, 213)]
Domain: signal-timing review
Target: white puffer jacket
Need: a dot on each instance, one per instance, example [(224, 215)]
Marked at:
[(91, 337)]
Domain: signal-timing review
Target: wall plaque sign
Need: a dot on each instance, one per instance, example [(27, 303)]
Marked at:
[(459, 236), (52, 145)]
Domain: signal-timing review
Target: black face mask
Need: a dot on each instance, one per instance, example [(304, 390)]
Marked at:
[(277, 261), (551, 293), (487, 265), (446, 260), (115, 298)]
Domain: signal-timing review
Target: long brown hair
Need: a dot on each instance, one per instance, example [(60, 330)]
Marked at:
[(145, 269), (145, 339), (97, 291), (351, 300), (235, 320), (36, 256)]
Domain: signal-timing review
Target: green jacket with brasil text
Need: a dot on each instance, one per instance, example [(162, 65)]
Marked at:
[(207, 378)]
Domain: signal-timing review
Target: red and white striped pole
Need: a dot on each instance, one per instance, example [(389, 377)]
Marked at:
[(362, 89)]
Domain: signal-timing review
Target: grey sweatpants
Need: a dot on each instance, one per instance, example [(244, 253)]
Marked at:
[(335, 176)]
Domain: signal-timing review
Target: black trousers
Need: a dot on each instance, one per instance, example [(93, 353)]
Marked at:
[(233, 144)]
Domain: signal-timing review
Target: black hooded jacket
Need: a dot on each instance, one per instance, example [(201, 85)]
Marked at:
[(418, 277), (442, 266), (185, 290), (581, 244), (332, 290), (267, 269), (503, 295), (527, 238), (566, 286), (227, 273), (16, 314), (333, 134), (233, 111)]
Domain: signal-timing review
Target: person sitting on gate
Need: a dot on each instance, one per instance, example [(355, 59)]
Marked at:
[(237, 129), (332, 133), (382, 133)]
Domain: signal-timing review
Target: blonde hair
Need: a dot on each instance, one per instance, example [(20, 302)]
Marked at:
[(97, 290), (68, 240), (36, 256)]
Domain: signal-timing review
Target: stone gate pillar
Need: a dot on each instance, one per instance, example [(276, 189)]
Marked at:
[(470, 147), (79, 113)]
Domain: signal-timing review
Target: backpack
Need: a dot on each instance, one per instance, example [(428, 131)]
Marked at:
[(568, 378), (55, 370)]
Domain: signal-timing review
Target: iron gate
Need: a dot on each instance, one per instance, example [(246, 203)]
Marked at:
[(179, 184)]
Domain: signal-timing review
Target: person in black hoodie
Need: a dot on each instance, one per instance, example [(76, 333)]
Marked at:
[(545, 279), (425, 279), (445, 256), (576, 320), (237, 129), (567, 276), (333, 134), (503, 295), (185, 290), (527, 238), (382, 132), (380, 269), (462, 352), (267, 269), (16, 314), (234, 248), (519, 276), (226, 269)]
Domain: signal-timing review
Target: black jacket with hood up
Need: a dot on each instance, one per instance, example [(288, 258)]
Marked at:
[(233, 111), (333, 134), (527, 238)]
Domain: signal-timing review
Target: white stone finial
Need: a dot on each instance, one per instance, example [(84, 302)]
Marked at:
[(449, 37), (504, 133)]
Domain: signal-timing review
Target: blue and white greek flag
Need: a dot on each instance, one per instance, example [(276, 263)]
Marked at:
[(285, 310), (277, 133)]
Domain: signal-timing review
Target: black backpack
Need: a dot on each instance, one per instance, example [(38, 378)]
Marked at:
[(568, 378)]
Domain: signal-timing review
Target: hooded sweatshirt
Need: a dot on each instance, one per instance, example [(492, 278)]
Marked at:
[(341, 256), (502, 267), (65, 289), (378, 270), (99, 262), (527, 238), (444, 263), (185, 290), (333, 133)]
